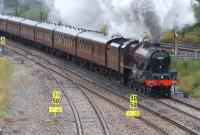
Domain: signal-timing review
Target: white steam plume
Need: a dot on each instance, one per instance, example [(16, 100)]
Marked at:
[(130, 18), (1, 6)]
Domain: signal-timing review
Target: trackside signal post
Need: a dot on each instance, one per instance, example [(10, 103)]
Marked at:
[(133, 111), (2, 45), (56, 108)]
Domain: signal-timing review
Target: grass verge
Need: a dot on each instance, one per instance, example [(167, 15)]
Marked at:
[(5, 77), (33, 13), (189, 75)]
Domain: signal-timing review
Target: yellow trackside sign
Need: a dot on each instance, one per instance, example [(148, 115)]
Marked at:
[(56, 108), (2, 41), (133, 101), (133, 111)]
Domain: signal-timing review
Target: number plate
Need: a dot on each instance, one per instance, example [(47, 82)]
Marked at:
[(133, 98), (56, 101)]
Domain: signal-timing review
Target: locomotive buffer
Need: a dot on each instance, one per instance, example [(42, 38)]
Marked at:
[(133, 111)]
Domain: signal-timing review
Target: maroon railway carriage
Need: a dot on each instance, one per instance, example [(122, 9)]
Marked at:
[(91, 46), (27, 29), (13, 26), (113, 61), (65, 39), (44, 34)]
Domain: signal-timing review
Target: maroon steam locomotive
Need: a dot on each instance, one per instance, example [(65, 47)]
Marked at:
[(140, 65)]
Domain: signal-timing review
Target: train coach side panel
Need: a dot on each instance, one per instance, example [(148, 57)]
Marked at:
[(27, 32), (99, 53), (113, 57), (85, 49), (2, 25), (44, 37), (65, 42), (13, 27)]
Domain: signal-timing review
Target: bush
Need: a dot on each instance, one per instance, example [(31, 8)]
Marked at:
[(190, 37), (168, 37), (189, 75)]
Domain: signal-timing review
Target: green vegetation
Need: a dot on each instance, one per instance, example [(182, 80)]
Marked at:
[(33, 13), (189, 75), (190, 37), (5, 77), (31, 9)]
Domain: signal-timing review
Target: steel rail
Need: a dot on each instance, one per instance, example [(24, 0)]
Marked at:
[(74, 110)]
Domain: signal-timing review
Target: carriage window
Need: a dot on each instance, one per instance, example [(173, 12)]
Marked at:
[(68, 41), (81, 46), (84, 47), (89, 49), (64, 40)]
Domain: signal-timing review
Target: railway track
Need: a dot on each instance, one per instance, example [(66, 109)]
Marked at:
[(190, 107), (186, 104), (92, 103), (165, 103), (67, 76), (71, 102), (181, 48), (124, 108), (94, 106)]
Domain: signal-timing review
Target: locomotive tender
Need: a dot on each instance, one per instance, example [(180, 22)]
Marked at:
[(141, 65)]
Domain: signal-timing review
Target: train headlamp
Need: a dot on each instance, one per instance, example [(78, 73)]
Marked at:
[(151, 84)]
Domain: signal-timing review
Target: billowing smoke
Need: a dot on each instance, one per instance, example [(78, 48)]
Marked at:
[(130, 18), (1, 6)]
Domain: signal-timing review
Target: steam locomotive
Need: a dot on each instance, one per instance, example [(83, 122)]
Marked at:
[(142, 66)]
